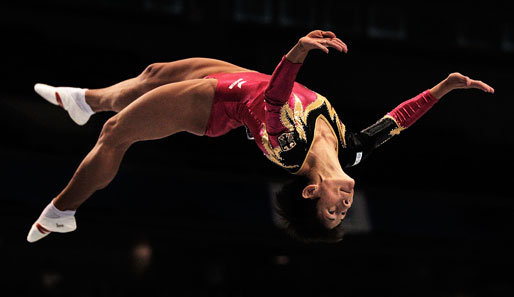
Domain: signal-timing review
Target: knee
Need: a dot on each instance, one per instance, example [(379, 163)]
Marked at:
[(112, 136), (152, 71)]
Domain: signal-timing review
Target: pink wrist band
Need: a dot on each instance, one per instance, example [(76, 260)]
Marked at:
[(408, 112)]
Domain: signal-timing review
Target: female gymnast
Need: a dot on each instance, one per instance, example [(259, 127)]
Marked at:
[(296, 128)]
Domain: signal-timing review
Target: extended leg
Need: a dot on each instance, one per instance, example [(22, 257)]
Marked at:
[(82, 103), (118, 96)]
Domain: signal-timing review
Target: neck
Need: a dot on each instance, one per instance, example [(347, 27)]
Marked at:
[(322, 161)]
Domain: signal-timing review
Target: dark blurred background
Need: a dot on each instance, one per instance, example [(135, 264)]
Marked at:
[(191, 216)]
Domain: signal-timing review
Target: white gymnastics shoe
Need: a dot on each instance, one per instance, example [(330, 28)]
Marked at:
[(44, 226), (72, 100)]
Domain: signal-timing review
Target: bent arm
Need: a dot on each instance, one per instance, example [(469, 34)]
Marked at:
[(282, 80), (277, 94), (281, 83)]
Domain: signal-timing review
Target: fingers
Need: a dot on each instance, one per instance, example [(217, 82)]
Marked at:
[(334, 43), (328, 34), (325, 39), (322, 46), (477, 84), (342, 44), (464, 82)]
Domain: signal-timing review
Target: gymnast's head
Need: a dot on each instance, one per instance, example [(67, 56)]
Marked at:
[(313, 210)]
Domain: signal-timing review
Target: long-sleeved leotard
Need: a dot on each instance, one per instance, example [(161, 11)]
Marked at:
[(281, 115)]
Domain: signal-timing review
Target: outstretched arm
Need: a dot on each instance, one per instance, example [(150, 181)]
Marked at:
[(458, 81), (404, 115), (411, 110), (282, 81)]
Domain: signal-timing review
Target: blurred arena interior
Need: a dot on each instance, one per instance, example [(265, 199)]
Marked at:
[(434, 209)]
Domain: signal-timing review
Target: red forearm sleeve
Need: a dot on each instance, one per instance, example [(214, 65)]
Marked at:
[(411, 110), (281, 82), (277, 93)]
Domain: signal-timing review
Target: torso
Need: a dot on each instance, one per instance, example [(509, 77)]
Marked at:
[(308, 118)]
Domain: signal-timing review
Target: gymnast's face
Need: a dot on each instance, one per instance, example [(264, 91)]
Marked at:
[(335, 199)]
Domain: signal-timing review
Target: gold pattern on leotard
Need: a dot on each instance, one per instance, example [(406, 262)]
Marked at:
[(335, 118), (286, 114), (273, 153), (296, 120)]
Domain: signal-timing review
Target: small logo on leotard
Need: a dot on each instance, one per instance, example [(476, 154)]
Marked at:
[(238, 82), (286, 141)]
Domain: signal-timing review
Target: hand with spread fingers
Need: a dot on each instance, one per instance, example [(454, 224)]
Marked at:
[(317, 39), (322, 40), (459, 81)]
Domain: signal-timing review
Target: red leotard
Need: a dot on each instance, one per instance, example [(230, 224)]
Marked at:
[(264, 104)]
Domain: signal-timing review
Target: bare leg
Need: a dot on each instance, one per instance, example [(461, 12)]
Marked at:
[(166, 110), (118, 96)]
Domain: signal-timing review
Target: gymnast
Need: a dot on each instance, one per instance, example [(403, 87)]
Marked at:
[(295, 127)]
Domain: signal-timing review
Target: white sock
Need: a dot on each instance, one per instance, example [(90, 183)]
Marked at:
[(52, 212), (80, 97)]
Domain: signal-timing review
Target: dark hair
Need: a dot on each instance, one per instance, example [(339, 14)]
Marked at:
[(298, 216)]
